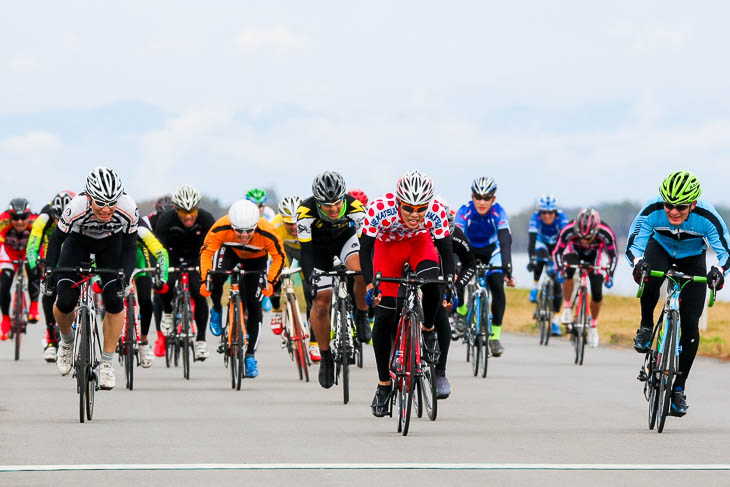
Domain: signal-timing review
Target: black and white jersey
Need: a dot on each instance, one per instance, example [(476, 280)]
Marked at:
[(78, 217)]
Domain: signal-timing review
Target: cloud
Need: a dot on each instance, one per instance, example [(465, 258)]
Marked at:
[(278, 40), (23, 63), (660, 37), (30, 143)]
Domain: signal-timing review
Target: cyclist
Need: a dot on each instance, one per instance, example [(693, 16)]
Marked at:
[(406, 227), (36, 249), (359, 195), (676, 228), (486, 225), (285, 224), (259, 198), (162, 204), (543, 232), (101, 221), (462, 250), (15, 228), (586, 238), (242, 237), (328, 225), (182, 231), (149, 252)]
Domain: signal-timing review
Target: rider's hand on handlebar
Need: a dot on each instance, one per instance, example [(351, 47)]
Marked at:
[(531, 265), (370, 298), (715, 278), (641, 267), (96, 287), (268, 291), (510, 281), (162, 289), (204, 290), (609, 281)]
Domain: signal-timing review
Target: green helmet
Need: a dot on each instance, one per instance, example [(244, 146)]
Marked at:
[(257, 196), (680, 187)]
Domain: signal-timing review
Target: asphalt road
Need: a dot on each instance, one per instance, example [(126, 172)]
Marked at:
[(534, 408)]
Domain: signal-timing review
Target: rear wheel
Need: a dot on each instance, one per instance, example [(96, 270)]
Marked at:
[(653, 393), (19, 318), (300, 349), (82, 364), (232, 340), (344, 350), (428, 388), (666, 370), (484, 337), (129, 339), (187, 341), (410, 382)]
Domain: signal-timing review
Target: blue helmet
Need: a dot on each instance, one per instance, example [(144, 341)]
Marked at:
[(548, 202)]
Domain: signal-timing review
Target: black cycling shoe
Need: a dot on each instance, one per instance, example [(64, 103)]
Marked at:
[(431, 346), (679, 404), (362, 323), (642, 341), (327, 369), (496, 347), (379, 405)]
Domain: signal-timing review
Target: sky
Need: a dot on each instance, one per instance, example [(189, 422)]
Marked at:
[(591, 101)]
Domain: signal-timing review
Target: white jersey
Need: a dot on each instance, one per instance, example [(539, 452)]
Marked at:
[(78, 217)]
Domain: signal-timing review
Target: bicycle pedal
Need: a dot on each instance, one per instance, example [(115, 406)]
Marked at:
[(642, 376)]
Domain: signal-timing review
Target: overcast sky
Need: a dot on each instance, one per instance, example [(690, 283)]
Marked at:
[(592, 101)]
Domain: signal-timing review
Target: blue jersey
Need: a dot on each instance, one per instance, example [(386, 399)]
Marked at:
[(547, 234), (481, 230), (703, 227)]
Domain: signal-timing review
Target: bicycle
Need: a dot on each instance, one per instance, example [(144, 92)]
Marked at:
[(19, 310), (479, 320), (130, 338), (544, 305), (408, 371), (661, 363), (234, 338), (294, 333), (346, 348), (181, 340), (581, 321), (87, 344)]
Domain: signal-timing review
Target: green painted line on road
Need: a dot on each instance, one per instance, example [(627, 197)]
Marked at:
[(363, 466)]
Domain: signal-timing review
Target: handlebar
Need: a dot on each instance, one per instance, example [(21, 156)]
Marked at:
[(237, 272), (156, 270), (676, 276), (290, 270), (411, 280)]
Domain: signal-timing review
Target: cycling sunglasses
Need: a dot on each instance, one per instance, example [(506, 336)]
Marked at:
[(414, 209), (244, 230), (480, 197), (670, 206), (330, 204), (102, 204), (24, 216), (180, 211), (550, 212)]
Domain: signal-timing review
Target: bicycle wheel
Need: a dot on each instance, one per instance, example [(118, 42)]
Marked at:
[(540, 315), (187, 343), (584, 327), (410, 383), (418, 399), (129, 340), (666, 370), (92, 384), (344, 349), (299, 345), (653, 393), (428, 389), (82, 363), (484, 337), (475, 337), (232, 340), (546, 309), (18, 311), (240, 343)]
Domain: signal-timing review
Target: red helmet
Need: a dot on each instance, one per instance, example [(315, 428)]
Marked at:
[(359, 195), (587, 223)]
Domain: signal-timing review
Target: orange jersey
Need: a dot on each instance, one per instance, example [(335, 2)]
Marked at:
[(265, 241)]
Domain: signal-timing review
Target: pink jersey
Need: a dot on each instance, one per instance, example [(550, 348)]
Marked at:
[(383, 221)]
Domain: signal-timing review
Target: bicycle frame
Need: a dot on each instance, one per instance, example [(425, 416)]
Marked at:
[(581, 305), (19, 304)]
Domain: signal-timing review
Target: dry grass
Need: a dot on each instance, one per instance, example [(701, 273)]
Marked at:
[(619, 320)]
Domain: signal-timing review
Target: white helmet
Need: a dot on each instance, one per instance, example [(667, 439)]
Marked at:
[(186, 198), (288, 208), (244, 215), (414, 188), (104, 185), (483, 186)]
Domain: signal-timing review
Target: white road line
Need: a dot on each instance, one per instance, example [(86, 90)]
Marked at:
[(361, 466)]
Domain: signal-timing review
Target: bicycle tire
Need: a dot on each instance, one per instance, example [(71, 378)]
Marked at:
[(411, 372), (539, 314), (344, 352), (358, 354), (484, 360), (475, 336), (430, 398), (93, 381), (666, 372), (82, 371), (231, 338), (240, 342), (653, 395), (547, 307), (187, 343), (584, 328), (418, 399), (300, 348), (129, 343), (18, 318)]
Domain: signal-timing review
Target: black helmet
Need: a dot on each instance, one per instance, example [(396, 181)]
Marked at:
[(163, 203), (19, 206), (328, 187)]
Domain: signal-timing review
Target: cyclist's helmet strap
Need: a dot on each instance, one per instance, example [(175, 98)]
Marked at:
[(680, 187), (587, 223)]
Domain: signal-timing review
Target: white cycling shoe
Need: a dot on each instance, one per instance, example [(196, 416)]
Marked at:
[(63, 358), (107, 380), (146, 356), (201, 350), (166, 323), (593, 337), (567, 316), (49, 354)]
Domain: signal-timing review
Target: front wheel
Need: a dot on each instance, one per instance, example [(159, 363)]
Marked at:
[(428, 388), (666, 370)]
